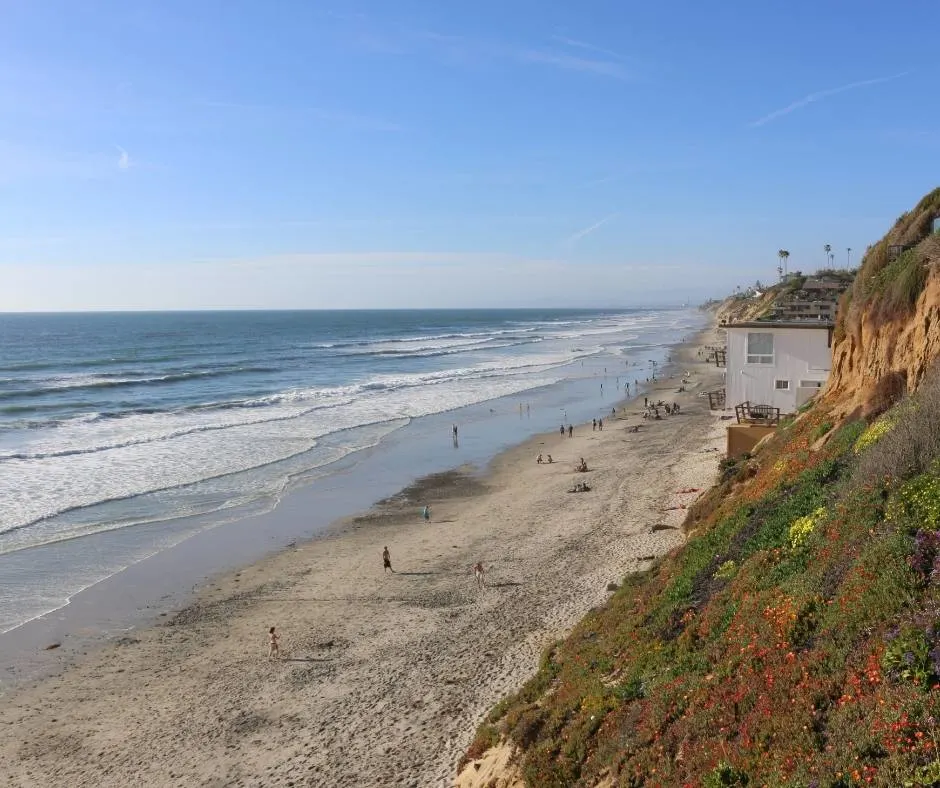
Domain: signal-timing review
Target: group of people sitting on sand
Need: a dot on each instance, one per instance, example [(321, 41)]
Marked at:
[(539, 459), (581, 467), (653, 408)]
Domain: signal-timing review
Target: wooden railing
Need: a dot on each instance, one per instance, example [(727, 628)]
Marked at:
[(748, 413), (716, 399)]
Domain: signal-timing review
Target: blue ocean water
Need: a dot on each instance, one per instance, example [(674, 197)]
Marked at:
[(116, 421)]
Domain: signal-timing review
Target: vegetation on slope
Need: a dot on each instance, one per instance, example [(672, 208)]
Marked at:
[(741, 307), (793, 641), (890, 288)]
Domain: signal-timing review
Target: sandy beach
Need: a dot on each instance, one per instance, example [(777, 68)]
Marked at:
[(382, 677)]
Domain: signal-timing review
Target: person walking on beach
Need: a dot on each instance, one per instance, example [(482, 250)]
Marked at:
[(273, 650), (570, 431), (427, 513), (387, 561), (479, 574), (561, 430), (600, 424), (593, 425)]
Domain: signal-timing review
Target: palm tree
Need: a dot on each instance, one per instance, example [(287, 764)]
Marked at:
[(783, 254), (828, 249)]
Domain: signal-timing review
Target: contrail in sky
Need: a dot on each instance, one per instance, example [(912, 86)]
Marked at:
[(588, 230), (820, 95)]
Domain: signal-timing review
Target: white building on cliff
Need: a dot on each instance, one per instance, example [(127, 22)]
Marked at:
[(781, 365)]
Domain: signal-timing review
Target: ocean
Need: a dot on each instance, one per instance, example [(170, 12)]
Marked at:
[(115, 425)]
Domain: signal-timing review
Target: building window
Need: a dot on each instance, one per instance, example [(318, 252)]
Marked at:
[(760, 348), (811, 384), (782, 385)]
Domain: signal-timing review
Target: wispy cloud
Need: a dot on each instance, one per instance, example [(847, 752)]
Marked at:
[(124, 160), (455, 49), (573, 42), (588, 230), (603, 68), (822, 94)]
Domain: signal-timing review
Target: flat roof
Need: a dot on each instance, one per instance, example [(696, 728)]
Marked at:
[(781, 324)]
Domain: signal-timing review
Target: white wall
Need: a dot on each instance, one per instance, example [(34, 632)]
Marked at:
[(799, 354)]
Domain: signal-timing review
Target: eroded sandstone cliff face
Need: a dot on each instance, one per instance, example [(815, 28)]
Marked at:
[(876, 358), (888, 331), (736, 309)]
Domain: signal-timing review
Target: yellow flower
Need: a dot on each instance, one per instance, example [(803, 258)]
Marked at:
[(803, 526), (918, 500), (875, 432), (725, 571)]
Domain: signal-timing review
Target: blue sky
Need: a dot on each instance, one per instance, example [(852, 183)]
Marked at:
[(227, 153)]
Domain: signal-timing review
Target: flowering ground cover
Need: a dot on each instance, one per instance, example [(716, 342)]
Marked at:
[(794, 640)]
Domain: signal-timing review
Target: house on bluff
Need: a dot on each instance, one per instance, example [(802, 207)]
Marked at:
[(772, 367)]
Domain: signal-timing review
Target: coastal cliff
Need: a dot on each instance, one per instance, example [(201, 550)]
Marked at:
[(888, 330), (737, 308), (794, 638)]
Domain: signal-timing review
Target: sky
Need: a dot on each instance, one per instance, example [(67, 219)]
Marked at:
[(189, 154)]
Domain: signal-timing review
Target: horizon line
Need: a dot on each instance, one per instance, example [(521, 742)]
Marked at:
[(661, 305)]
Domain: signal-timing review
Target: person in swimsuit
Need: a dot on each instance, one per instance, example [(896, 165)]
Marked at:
[(387, 561), (273, 650)]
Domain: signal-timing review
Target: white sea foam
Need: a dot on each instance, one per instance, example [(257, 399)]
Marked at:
[(84, 464), (121, 473), (90, 459)]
